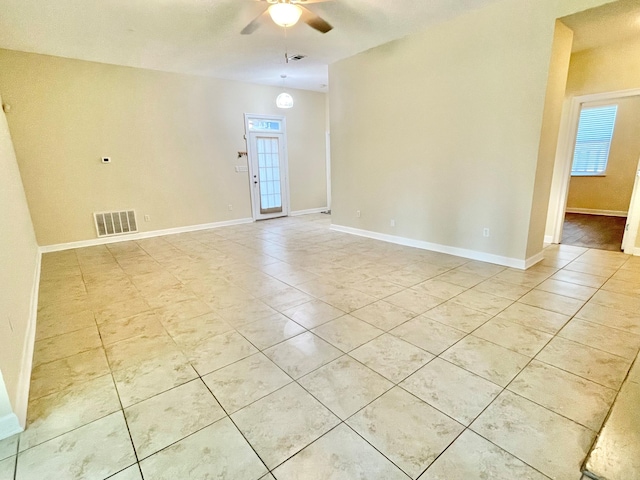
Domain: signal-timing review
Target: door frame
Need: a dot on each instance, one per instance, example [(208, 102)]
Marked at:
[(564, 153), (633, 218), (284, 183)]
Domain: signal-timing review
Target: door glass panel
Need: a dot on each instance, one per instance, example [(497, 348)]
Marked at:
[(269, 172), (265, 125)]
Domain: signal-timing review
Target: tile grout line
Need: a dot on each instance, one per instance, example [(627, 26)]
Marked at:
[(506, 389), (348, 353)]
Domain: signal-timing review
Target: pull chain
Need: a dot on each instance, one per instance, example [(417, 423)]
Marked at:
[(286, 50)]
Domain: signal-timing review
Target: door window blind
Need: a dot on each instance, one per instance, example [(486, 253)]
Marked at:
[(593, 141)]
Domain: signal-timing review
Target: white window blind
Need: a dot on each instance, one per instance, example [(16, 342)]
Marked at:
[(593, 142)]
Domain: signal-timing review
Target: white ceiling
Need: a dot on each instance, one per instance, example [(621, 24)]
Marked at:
[(202, 37)]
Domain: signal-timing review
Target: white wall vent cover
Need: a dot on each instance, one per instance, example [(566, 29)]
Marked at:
[(115, 223)]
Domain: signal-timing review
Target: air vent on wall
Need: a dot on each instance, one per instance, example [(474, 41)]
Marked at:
[(115, 223)]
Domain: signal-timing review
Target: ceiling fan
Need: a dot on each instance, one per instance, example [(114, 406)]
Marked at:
[(286, 13)]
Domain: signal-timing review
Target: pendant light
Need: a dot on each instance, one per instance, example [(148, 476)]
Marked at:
[(284, 100)]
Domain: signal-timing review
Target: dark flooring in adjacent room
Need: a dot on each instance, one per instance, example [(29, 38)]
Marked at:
[(593, 231)]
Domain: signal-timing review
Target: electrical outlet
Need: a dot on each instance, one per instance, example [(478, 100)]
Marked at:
[(485, 232), (230, 207), (147, 218), (393, 223), (358, 213)]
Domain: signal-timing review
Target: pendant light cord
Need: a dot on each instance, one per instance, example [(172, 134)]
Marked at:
[(285, 100), (286, 60)]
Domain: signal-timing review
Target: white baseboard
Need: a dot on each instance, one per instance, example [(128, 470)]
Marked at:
[(531, 261), (308, 212), (594, 211), (548, 239), (434, 247), (141, 235), (9, 426)]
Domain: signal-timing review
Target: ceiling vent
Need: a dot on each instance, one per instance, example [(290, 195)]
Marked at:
[(115, 223), (295, 58)]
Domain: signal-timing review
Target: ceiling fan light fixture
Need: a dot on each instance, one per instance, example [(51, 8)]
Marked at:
[(285, 14)]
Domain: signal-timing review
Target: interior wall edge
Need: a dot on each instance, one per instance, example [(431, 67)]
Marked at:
[(556, 86), (19, 283), (24, 382)]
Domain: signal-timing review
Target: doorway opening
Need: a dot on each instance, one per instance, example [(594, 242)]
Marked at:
[(601, 210), (268, 165)]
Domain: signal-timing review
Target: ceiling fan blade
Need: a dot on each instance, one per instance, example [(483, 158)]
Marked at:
[(314, 21), (253, 24)]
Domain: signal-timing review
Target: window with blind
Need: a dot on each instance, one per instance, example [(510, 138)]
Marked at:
[(593, 141)]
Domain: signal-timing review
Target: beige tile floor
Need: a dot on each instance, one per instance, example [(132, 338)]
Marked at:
[(284, 350), (616, 453)]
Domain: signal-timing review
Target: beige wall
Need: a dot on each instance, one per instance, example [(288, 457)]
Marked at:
[(613, 191), (607, 69), (18, 260), (173, 140), (554, 98), (441, 130)]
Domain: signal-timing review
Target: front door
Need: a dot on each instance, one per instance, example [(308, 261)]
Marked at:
[(267, 166)]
